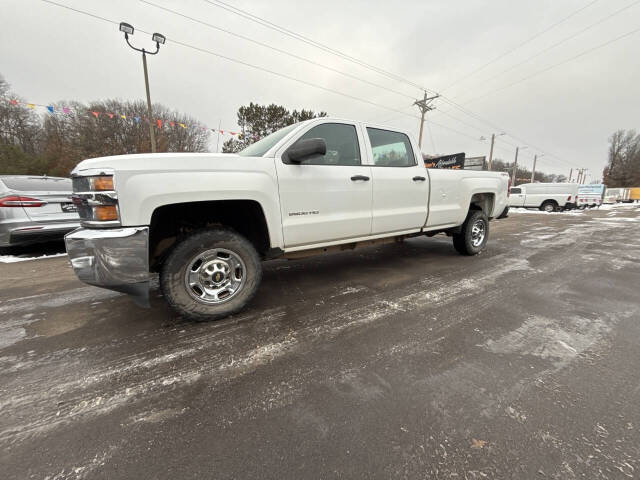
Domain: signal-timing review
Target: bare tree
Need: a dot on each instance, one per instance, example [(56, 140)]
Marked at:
[(623, 166)]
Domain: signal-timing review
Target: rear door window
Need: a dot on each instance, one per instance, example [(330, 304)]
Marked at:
[(37, 184), (516, 190), (390, 149)]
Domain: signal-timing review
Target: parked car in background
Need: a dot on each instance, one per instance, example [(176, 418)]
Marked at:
[(590, 195), (35, 209), (549, 197)]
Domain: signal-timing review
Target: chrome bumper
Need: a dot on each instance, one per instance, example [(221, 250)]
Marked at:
[(114, 258)]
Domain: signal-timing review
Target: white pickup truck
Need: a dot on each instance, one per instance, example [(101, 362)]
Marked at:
[(206, 221)]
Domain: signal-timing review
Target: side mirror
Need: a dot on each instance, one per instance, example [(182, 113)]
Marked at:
[(306, 148)]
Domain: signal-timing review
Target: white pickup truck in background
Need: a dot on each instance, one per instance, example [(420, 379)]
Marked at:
[(206, 221), (548, 197)]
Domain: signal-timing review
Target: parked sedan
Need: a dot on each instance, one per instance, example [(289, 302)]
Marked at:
[(35, 209)]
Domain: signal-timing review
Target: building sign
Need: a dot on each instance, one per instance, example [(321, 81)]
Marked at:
[(455, 161), (474, 163)]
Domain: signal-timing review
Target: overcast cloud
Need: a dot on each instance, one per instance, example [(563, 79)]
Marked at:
[(51, 54)]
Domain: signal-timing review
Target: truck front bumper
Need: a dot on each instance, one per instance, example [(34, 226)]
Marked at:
[(114, 258)]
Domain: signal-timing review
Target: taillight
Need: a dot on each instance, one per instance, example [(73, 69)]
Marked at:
[(569, 198), (17, 201)]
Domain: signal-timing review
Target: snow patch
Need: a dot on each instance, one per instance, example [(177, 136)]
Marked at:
[(16, 258), (558, 340), (538, 212)]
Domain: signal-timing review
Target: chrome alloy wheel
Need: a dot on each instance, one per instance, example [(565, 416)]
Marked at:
[(478, 231), (215, 276), (549, 208)]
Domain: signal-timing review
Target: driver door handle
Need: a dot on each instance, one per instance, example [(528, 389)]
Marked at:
[(355, 178), (419, 179)]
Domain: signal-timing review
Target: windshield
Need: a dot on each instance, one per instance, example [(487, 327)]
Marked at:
[(262, 146)]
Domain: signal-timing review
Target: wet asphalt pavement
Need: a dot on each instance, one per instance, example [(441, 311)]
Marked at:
[(402, 361)]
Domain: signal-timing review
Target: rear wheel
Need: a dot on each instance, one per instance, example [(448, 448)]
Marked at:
[(549, 206), (473, 235), (211, 274)]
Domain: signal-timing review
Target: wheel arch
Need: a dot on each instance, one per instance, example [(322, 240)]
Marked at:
[(169, 223)]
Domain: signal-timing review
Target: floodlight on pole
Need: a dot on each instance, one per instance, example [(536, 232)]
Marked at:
[(159, 39), (126, 28)]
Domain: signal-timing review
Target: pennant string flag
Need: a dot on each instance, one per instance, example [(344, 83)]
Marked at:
[(95, 113)]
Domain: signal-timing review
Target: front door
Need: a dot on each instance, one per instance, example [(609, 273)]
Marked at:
[(516, 197), (326, 198)]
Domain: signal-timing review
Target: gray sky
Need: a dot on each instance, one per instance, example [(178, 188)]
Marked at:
[(51, 54)]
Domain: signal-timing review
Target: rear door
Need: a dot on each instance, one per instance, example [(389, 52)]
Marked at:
[(400, 183), (55, 194), (327, 197)]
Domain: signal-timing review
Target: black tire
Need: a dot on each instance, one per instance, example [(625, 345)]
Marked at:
[(505, 213), (549, 206), (174, 273), (464, 242)]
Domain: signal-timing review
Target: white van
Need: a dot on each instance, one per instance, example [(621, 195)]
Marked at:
[(549, 197)]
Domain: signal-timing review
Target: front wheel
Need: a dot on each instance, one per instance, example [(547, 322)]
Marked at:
[(473, 235), (211, 274)]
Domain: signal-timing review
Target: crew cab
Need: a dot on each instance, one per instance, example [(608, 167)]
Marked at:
[(206, 221)]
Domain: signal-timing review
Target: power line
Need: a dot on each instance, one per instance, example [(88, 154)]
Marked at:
[(557, 44), (273, 26), (496, 127), (247, 64), (284, 52), (539, 72), (257, 67), (309, 41), (520, 45)]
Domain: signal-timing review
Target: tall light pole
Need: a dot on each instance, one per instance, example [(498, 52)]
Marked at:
[(425, 106), (159, 39), (533, 170), (515, 166), (493, 139)]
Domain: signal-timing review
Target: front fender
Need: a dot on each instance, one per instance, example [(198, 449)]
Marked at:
[(141, 193)]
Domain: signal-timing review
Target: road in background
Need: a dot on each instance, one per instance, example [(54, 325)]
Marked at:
[(403, 361)]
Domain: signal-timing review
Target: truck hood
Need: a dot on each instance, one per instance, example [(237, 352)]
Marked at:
[(162, 162)]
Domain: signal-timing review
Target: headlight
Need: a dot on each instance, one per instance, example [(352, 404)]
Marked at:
[(97, 183), (100, 184), (97, 200)]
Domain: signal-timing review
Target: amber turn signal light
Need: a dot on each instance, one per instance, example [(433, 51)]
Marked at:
[(105, 213)]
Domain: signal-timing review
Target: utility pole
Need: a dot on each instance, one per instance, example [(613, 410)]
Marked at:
[(425, 106), (570, 174), (493, 139), (515, 167), (218, 142), (146, 85), (533, 170)]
